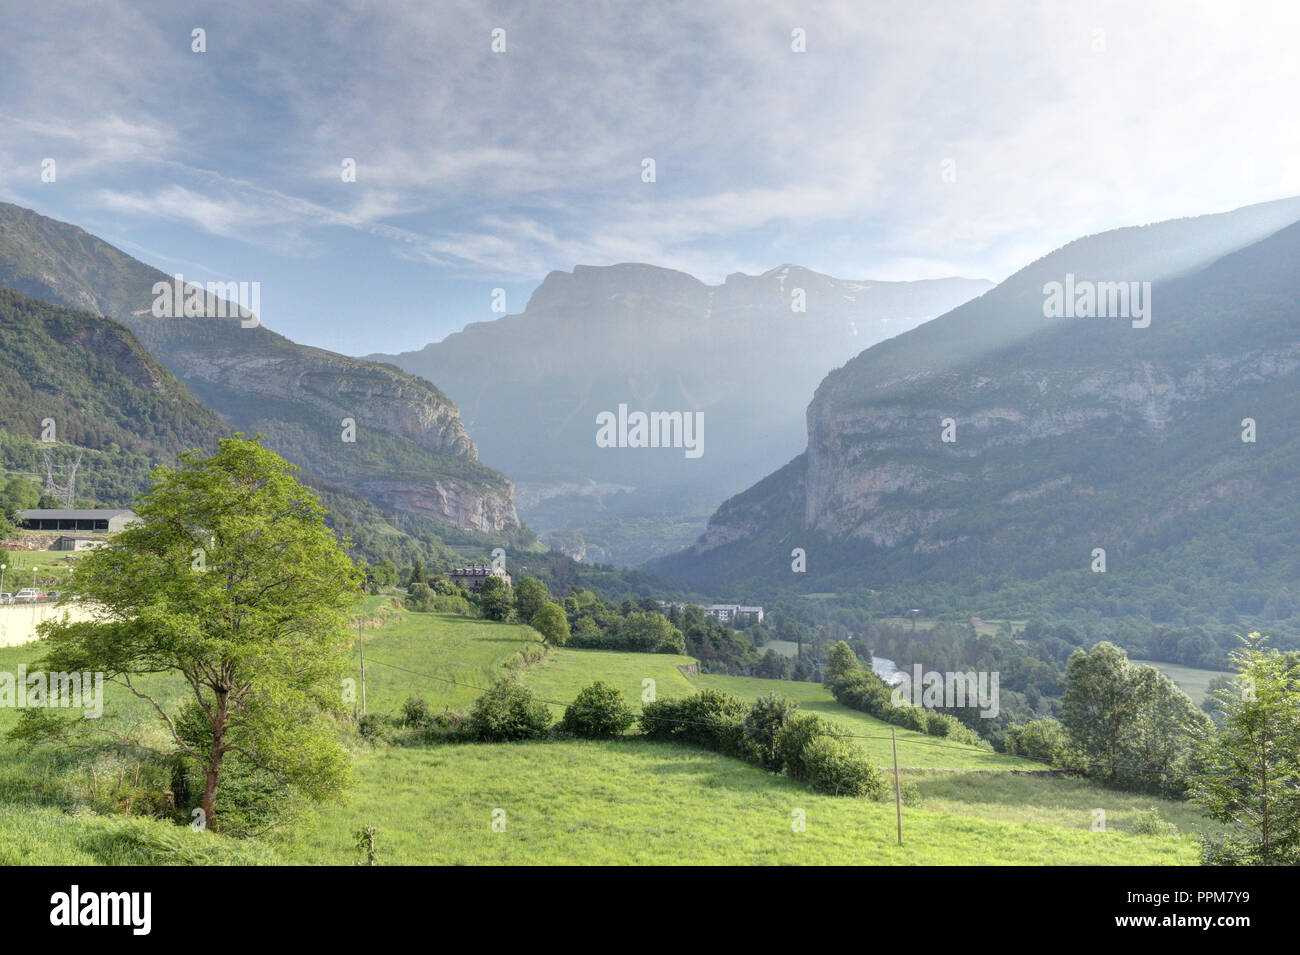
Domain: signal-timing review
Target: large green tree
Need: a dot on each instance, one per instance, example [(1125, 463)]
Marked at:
[(552, 624), (232, 583), (530, 596), (1131, 725), (1250, 769), (494, 598)]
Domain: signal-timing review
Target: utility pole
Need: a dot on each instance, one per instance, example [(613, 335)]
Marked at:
[(898, 798)]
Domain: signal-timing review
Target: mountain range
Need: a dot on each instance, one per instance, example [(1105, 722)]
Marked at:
[(994, 454), (409, 454), (741, 358)]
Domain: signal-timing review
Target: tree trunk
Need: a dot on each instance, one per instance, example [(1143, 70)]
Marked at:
[(212, 777)]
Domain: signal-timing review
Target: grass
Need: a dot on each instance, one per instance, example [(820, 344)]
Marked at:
[(643, 803), (54, 567), (574, 802), (565, 672), (1192, 681), (915, 750), (51, 837), (421, 654)]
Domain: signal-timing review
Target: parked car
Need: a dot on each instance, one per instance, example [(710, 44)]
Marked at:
[(6, 597), (28, 596)]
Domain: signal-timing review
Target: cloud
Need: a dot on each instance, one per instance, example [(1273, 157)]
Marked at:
[(1059, 120)]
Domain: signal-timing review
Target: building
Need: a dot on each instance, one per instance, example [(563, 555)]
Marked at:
[(471, 578), (70, 542), (726, 613), (87, 519)]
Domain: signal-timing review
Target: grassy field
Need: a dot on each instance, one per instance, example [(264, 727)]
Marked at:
[(53, 567), (570, 802), (1195, 683), (915, 750), (441, 657), (644, 803)]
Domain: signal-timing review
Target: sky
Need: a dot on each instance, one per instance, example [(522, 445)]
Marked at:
[(907, 140)]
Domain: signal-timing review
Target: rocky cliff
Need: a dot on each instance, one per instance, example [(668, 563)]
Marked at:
[(996, 442), (410, 450)]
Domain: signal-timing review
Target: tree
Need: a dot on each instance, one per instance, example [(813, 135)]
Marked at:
[(1131, 724), (1250, 774), (494, 598), (598, 712), (232, 583), (842, 662), (508, 710), (552, 624), (530, 595)]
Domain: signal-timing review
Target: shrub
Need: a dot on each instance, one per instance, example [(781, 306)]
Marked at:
[(372, 728), (762, 723), (792, 740), (508, 711), (419, 597), (908, 717), (453, 603), (712, 719), (1149, 823), (598, 712), (659, 719), (938, 724), (1043, 739), (837, 768), (415, 711), (709, 718)]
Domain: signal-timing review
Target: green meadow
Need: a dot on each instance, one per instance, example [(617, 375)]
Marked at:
[(573, 801)]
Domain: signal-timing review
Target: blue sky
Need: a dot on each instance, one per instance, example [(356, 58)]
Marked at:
[(478, 170)]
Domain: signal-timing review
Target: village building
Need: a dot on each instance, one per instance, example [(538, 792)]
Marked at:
[(108, 520), (471, 578), (725, 613), (71, 542)]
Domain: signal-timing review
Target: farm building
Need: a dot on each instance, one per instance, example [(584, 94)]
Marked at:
[(70, 542), (73, 519), (471, 578)]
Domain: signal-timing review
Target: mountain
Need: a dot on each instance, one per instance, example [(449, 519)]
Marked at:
[(113, 411), (1070, 434), (411, 453), (85, 383), (746, 354)]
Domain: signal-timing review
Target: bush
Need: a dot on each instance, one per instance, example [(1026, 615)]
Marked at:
[(419, 597), (598, 712), (709, 718), (508, 711), (762, 723), (713, 719), (908, 717), (793, 739), (1149, 823), (938, 724), (372, 729), (453, 603), (415, 711), (659, 719), (837, 768), (1043, 739)]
